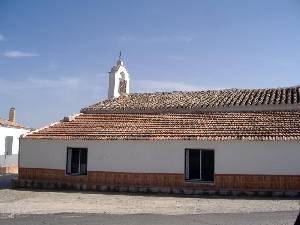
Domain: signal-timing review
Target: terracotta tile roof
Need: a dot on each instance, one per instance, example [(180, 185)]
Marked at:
[(6, 123), (190, 102), (281, 125)]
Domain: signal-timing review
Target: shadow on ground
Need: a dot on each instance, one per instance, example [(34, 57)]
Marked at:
[(113, 193)]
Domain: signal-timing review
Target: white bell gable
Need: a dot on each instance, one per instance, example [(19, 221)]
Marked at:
[(118, 80)]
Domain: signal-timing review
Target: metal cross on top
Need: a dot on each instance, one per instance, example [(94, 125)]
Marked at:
[(120, 55)]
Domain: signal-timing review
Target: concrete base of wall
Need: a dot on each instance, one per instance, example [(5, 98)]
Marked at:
[(42, 184), (9, 169)]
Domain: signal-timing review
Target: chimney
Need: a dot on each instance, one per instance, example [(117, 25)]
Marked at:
[(12, 115)]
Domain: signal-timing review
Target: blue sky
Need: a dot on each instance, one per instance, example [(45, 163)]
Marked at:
[(54, 55)]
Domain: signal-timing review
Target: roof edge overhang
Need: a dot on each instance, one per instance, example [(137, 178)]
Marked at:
[(226, 139)]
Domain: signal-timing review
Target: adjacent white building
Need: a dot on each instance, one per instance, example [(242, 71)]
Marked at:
[(10, 133)]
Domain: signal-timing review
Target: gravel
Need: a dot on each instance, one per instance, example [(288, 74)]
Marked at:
[(24, 201)]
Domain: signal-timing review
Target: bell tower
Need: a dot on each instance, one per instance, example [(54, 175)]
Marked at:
[(118, 80)]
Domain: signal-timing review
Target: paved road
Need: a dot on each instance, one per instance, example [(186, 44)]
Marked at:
[(278, 218)]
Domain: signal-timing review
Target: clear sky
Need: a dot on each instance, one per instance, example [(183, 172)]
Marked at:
[(55, 55)]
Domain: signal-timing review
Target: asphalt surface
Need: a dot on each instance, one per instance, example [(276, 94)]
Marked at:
[(275, 218)]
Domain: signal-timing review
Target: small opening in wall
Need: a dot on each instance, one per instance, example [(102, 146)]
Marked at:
[(199, 165), (76, 161)]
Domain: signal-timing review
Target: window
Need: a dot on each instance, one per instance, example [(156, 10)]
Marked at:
[(76, 161), (199, 165), (8, 145)]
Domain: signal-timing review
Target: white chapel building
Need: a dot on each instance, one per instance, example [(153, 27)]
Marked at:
[(178, 142)]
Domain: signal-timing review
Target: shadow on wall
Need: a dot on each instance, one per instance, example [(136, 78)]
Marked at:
[(5, 180)]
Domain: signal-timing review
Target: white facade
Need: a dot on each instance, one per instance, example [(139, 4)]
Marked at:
[(118, 77), (231, 157), (14, 134)]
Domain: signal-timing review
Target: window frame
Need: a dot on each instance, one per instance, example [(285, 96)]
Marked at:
[(186, 163), (79, 166)]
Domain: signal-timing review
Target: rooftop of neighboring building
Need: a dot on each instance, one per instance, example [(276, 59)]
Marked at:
[(11, 121)]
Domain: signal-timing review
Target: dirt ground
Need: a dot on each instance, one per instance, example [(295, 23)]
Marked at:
[(25, 201)]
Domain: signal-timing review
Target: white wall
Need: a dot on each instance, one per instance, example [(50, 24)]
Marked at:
[(10, 160), (234, 157), (8, 131)]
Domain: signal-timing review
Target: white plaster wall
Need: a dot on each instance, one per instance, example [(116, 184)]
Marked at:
[(234, 157), (8, 131)]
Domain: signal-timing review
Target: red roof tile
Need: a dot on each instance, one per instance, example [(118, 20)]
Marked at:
[(200, 101), (280, 125), (6, 123)]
